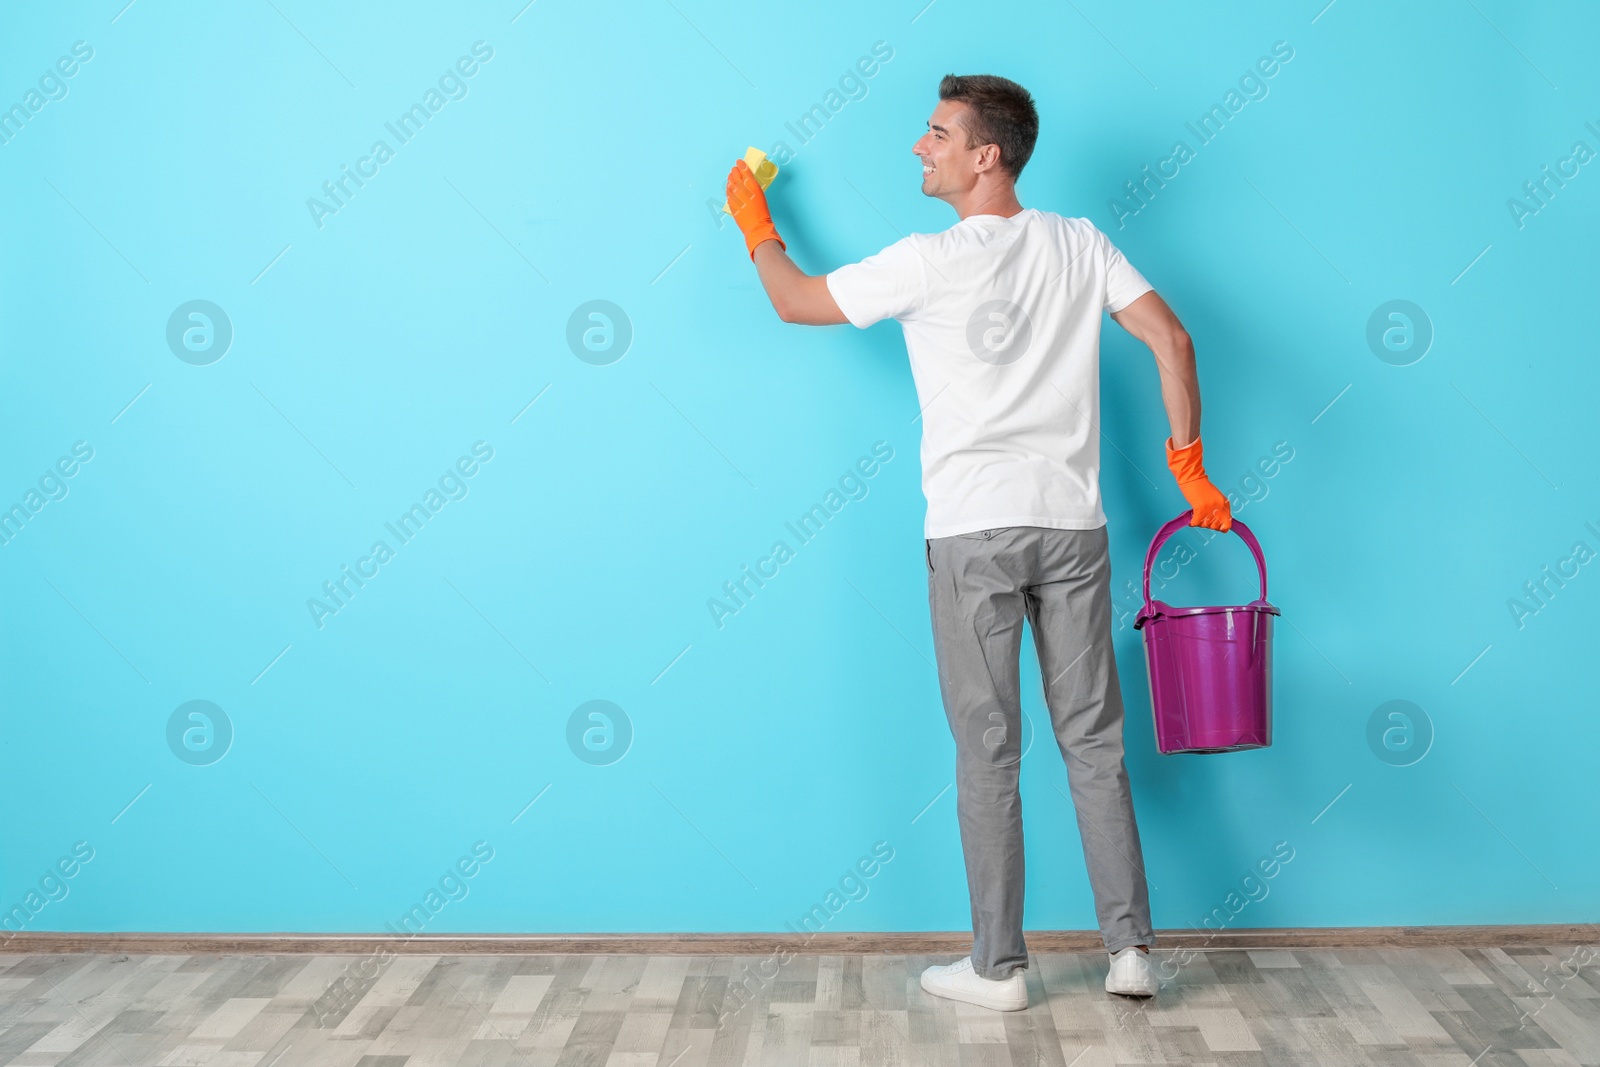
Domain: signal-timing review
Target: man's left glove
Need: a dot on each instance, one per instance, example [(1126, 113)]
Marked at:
[(1210, 505), (747, 202)]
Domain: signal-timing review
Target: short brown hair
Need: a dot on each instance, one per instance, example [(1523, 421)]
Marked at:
[(1002, 113)]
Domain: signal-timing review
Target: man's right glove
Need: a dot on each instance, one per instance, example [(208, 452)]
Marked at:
[(747, 202), (1210, 506)]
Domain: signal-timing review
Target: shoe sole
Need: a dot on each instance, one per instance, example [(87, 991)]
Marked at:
[(1139, 992), (1130, 993), (972, 998)]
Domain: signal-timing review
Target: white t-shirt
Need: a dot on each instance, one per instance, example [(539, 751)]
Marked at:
[(1002, 325)]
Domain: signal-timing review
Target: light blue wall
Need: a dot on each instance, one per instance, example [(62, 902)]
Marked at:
[(770, 754)]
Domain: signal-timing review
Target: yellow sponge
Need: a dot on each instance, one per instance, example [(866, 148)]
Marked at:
[(765, 169)]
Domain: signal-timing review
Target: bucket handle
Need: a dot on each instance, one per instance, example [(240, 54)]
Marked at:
[(1174, 525)]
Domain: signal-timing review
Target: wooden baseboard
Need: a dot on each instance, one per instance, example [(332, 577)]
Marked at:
[(760, 944)]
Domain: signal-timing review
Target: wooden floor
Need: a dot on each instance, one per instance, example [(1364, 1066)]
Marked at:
[(1436, 1006)]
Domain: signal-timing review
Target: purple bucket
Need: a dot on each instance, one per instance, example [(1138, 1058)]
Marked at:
[(1210, 667)]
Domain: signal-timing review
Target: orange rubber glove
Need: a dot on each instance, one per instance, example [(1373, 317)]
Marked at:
[(748, 203), (1210, 506)]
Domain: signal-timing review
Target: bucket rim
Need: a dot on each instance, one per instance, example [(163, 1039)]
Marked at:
[(1159, 608)]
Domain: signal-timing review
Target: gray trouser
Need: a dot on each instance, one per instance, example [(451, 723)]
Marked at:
[(980, 586)]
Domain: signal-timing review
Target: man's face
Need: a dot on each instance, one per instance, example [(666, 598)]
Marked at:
[(947, 164)]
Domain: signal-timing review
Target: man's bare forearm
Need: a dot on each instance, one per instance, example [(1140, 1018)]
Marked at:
[(795, 295), (1150, 320), (1180, 387), (779, 275)]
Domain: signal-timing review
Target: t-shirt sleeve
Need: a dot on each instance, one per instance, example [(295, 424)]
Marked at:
[(890, 285), (1124, 284)]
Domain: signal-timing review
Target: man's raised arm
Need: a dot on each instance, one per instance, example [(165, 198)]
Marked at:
[(796, 296)]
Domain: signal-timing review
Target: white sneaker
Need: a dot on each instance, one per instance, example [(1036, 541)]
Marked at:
[(958, 981), (1130, 974)]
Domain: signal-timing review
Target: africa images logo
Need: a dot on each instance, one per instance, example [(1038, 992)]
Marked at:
[(999, 332)]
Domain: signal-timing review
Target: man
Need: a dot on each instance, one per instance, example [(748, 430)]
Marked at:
[(1001, 314)]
